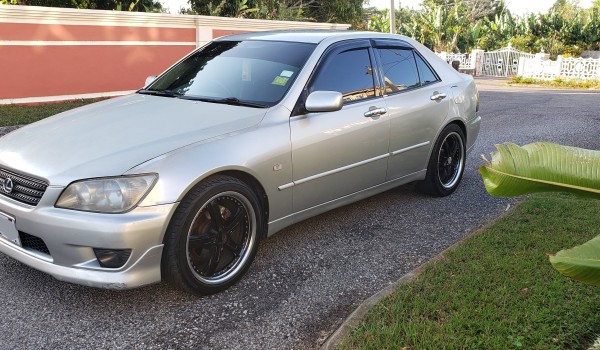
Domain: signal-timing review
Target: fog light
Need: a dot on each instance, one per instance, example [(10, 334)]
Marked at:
[(112, 258)]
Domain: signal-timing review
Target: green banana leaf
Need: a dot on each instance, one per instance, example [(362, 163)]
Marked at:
[(545, 167), (581, 263), (542, 167)]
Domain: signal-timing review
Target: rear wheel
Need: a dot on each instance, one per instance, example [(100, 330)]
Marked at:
[(213, 236), (446, 164)]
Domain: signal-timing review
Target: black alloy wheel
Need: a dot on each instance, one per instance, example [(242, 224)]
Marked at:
[(220, 236), (446, 163), (450, 160), (213, 236)]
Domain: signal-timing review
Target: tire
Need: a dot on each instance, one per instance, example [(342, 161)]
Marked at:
[(446, 163), (213, 236)]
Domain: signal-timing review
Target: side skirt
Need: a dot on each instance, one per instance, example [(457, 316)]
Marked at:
[(279, 224)]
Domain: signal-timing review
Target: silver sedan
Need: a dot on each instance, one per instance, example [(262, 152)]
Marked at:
[(241, 138)]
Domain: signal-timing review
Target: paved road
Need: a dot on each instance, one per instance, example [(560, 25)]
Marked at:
[(309, 277)]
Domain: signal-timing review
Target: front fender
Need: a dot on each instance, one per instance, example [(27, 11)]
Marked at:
[(263, 152)]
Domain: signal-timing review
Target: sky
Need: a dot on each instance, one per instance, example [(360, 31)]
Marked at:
[(517, 7)]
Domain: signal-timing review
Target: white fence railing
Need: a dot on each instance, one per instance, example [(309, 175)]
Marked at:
[(580, 68), (541, 67), (508, 61), (463, 58), (469, 63)]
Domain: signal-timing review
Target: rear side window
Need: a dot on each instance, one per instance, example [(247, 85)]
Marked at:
[(349, 72), (426, 74), (399, 69)]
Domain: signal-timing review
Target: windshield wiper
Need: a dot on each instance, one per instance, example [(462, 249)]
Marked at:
[(165, 93), (234, 101)]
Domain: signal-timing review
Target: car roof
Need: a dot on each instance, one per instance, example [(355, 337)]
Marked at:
[(308, 36), (328, 37)]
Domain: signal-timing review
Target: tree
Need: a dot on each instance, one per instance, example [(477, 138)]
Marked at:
[(565, 8), (338, 11), (379, 21), (214, 7), (591, 29), (473, 10), (442, 25), (125, 5)]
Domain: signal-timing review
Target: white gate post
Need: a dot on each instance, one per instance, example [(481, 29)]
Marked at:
[(542, 56), (444, 56), (521, 70), (477, 61), (559, 63)]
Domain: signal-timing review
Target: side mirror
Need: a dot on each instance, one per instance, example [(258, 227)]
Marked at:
[(324, 101), (149, 80)]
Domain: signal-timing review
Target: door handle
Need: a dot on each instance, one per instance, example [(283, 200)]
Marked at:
[(375, 112), (437, 96)]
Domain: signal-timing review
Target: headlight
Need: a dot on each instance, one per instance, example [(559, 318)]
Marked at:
[(106, 195)]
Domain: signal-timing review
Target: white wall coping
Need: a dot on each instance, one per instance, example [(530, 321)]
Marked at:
[(55, 15), (42, 99)]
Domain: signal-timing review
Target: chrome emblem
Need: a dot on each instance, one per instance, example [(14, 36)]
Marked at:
[(6, 185)]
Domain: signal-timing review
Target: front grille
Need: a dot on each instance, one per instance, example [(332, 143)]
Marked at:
[(32, 242), (25, 189)]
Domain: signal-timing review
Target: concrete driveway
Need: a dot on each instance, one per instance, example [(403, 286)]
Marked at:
[(307, 278)]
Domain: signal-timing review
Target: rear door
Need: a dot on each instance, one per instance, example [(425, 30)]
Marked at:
[(417, 103), (335, 154)]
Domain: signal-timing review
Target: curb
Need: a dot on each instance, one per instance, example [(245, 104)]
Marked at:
[(358, 315), (6, 129)]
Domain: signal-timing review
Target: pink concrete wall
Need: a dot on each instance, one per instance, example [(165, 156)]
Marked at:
[(34, 66), (35, 71), (49, 54)]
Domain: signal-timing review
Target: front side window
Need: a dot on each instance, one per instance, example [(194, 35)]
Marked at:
[(399, 69), (349, 72), (253, 73)]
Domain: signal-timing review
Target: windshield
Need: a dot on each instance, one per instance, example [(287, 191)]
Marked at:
[(250, 73)]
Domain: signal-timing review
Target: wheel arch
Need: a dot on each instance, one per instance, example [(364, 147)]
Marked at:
[(245, 177), (177, 268), (429, 185), (461, 125), (256, 186)]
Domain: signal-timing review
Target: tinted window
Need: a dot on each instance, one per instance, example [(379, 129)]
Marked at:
[(426, 74), (399, 69), (348, 72), (260, 72)]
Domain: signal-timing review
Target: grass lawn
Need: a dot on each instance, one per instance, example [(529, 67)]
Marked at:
[(24, 114), (497, 289), (558, 82)]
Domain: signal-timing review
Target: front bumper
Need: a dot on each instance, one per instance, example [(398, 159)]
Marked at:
[(70, 237)]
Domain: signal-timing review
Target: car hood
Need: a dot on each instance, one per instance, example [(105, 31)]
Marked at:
[(110, 137)]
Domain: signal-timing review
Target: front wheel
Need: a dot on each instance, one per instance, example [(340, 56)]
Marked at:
[(446, 164), (213, 236)]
